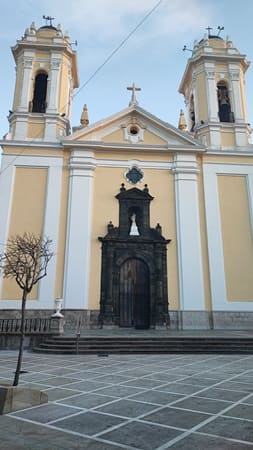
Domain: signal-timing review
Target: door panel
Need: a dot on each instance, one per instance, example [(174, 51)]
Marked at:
[(134, 294)]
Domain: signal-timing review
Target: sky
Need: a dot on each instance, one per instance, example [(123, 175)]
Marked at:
[(152, 57)]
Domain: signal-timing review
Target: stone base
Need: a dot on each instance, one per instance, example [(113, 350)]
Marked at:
[(13, 398), (179, 320)]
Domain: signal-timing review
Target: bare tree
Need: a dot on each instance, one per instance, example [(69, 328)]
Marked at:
[(25, 259)]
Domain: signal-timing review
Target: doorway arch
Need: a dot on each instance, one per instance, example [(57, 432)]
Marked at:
[(134, 294)]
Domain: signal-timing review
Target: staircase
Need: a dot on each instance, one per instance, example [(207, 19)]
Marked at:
[(104, 345)]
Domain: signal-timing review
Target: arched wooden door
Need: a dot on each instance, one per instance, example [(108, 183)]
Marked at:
[(134, 294)]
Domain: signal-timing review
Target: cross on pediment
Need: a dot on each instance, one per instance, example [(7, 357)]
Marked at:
[(133, 100)]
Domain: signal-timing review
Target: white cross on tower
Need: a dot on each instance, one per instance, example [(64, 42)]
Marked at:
[(133, 88)]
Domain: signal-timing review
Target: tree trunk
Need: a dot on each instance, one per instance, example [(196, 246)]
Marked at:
[(21, 342)]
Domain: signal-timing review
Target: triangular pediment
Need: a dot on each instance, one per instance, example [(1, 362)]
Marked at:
[(134, 126)]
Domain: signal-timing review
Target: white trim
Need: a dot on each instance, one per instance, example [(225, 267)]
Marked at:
[(130, 162), (214, 233), (51, 219)]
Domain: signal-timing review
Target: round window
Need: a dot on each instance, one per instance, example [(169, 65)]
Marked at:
[(134, 130)]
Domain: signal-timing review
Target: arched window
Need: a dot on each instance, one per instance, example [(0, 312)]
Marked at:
[(40, 93), (225, 113)]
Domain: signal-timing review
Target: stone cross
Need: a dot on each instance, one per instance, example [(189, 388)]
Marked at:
[(133, 100)]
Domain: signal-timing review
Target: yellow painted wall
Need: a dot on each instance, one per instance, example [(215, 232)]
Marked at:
[(222, 159), (107, 182), (228, 138), (116, 136), (35, 129), (237, 237), (149, 138), (27, 213), (201, 95)]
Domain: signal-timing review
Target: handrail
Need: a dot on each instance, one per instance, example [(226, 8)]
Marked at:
[(36, 325)]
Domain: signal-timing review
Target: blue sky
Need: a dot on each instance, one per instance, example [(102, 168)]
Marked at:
[(152, 57)]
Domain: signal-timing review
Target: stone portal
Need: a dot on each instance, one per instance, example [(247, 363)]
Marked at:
[(134, 266)]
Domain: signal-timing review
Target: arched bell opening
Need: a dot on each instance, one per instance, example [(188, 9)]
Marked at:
[(40, 93), (225, 113)]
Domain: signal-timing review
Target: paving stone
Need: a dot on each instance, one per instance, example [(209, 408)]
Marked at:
[(222, 394), (201, 381), (127, 408), (88, 423), (234, 385), (101, 377), (46, 413), (119, 390), (113, 379), (180, 388), (156, 397), (230, 428), (176, 418), (86, 385), (20, 435), (242, 412), (59, 381), (58, 393), (198, 442), (144, 383), (249, 400), (141, 436), (87, 400), (203, 404)]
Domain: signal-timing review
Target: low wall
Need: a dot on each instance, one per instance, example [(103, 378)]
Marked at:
[(179, 320)]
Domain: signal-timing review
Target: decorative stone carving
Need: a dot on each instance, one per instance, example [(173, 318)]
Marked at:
[(134, 175)]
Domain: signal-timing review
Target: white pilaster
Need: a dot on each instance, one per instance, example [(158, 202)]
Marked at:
[(50, 129), (195, 99), (211, 90), (191, 282), (19, 127), (25, 81), (77, 267), (236, 93), (53, 84)]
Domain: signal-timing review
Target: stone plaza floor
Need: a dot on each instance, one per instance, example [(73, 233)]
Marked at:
[(144, 402)]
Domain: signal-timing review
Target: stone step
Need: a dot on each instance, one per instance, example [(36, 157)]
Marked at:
[(130, 345)]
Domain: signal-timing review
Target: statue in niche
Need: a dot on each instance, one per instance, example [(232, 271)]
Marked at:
[(134, 229)]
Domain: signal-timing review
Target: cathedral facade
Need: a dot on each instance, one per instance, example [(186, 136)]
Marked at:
[(151, 224)]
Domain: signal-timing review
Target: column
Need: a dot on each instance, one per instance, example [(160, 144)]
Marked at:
[(236, 94), (77, 267), (53, 85), (211, 90), (25, 94), (191, 283)]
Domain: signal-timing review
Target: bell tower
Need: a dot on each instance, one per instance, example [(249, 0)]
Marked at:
[(46, 74), (214, 89)]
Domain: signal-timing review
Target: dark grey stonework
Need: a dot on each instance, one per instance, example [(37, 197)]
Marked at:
[(179, 320)]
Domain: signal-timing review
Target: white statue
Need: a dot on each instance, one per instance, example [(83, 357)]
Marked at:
[(134, 229)]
